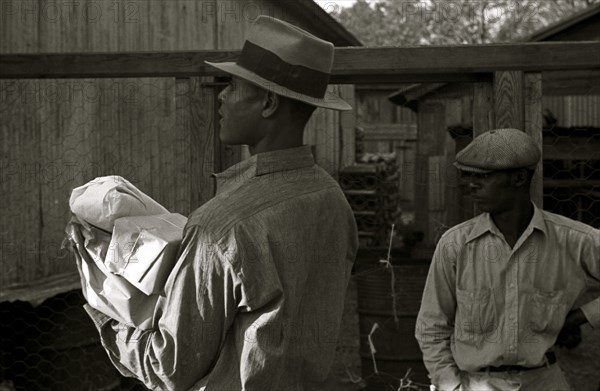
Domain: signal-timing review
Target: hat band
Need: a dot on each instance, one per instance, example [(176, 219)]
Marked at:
[(268, 65)]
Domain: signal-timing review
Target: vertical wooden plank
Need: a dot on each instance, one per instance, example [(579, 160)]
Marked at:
[(453, 112), (203, 157), (483, 119), (430, 124), (20, 219), (410, 169), (20, 27), (456, 113), (436, 197), (66, 145), (159, 104), (533, 127), (348, 124), (483, 108), (508, 99), (234, 18), (183, 142), (436, 183)]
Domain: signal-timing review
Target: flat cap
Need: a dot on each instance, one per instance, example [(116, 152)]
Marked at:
[(498, 149)]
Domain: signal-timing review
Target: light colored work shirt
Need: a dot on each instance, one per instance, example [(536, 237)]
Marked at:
[(256, 298), (485, 304)]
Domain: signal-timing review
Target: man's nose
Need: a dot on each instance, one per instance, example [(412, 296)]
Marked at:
[(221, 96), (473, 184)]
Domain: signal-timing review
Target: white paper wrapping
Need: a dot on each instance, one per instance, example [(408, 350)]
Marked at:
[(101, 201), (143, 249), (123, 274)]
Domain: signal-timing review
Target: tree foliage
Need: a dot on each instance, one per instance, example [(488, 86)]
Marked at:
[(442, 22)]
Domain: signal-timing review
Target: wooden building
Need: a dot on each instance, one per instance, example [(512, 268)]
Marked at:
[(568, 180), (386, 128), (192, 108), (446, 117), (158, 132), (60, 133)]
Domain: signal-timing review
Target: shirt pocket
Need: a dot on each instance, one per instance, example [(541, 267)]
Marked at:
[(548, 311), (475, 316)]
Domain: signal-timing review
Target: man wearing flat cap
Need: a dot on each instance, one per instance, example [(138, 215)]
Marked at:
[(505, 285), (256, 298)]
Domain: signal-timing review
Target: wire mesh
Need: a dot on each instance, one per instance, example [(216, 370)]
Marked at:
[(54, 346)]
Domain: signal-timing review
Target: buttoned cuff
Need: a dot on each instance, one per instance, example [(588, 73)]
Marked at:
[(591, 311), (447, 380)]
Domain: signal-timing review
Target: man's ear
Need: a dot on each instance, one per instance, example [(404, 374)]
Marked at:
[(520, 177), (271, 103)]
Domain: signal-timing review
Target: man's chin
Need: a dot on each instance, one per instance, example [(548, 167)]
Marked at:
[(481, 206), (229, 140)]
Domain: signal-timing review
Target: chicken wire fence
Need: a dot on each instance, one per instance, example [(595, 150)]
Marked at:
[(54, 345), (571, 170)]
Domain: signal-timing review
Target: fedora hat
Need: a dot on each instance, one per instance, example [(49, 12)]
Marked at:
[(288, 61)]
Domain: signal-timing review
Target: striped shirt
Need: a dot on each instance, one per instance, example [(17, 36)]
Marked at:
[(486, 304), (256, 298)]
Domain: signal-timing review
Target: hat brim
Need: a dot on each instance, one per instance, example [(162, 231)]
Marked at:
[(476, 170), (330, 101)]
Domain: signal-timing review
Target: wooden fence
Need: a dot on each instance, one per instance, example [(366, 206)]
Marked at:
[(507, 88)]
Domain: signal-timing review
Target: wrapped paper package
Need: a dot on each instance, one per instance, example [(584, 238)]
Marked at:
[(101, 201), (109, 293), (143, 249), (123, 274)]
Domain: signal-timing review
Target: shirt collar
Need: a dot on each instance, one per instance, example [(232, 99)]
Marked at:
[(484, 223), (264, 163)]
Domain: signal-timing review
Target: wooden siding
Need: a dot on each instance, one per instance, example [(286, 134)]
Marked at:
[(159, 133)]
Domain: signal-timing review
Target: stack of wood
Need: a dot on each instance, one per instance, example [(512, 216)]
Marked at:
[(372, 191)]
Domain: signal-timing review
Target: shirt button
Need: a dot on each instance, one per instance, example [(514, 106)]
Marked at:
[(511, 317), (512, 347), (511, 285)]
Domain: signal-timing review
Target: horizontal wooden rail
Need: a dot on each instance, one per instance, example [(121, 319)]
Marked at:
[(352, 65)]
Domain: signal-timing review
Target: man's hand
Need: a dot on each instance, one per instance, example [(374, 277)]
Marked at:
[(570, 335)]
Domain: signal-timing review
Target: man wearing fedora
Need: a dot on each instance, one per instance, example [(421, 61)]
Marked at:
[(256, 298), (505, 285)]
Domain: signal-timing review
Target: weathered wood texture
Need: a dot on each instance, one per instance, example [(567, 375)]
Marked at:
[(431, 124), (532, 94), (70, 137), (390, 128), (324, 132), (483, 108), (349, 65), (508, 99), (347, 128), (160, 133), (196, 129)]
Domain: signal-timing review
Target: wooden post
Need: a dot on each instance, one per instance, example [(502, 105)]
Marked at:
[(484, 119), (508, 99), (195, 111), (534, 127), (483, 108), (518, 104), (431, 123), (348, 125)]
